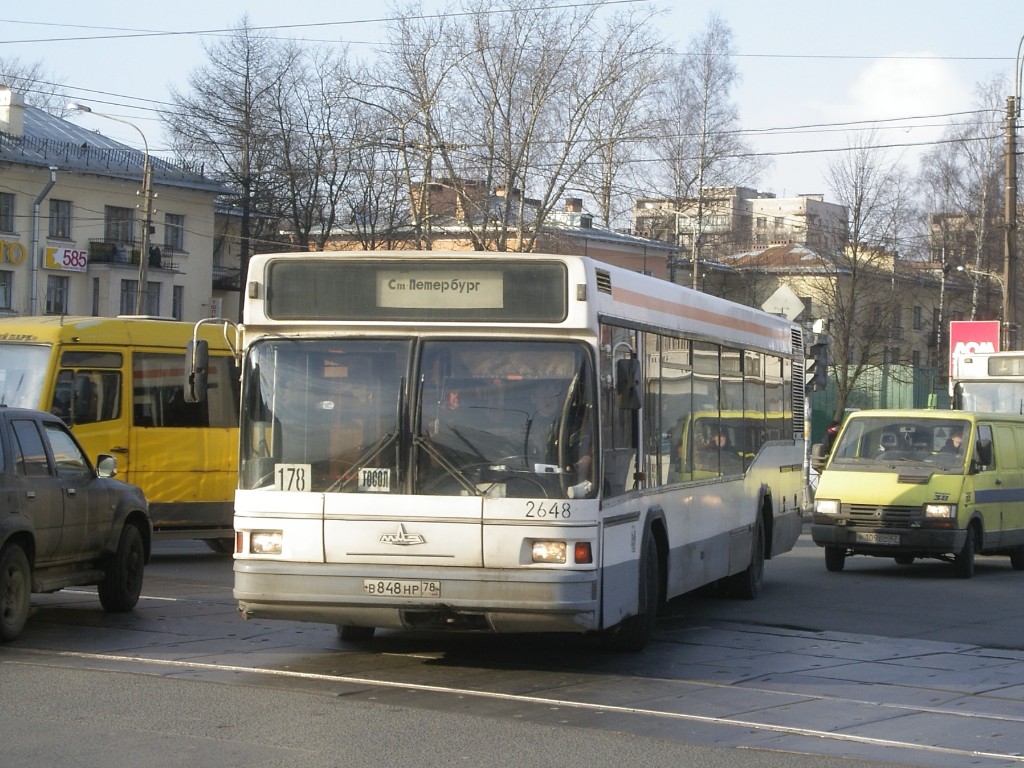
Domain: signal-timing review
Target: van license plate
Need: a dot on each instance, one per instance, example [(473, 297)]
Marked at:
[(401, 588), (878, 538)]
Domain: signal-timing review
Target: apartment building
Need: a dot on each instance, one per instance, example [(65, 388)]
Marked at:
[(72, 215)]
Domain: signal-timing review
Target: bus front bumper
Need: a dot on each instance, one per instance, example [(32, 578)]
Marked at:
[(465, 599)]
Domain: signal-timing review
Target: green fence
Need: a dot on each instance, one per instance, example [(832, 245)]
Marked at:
[(886, 386)]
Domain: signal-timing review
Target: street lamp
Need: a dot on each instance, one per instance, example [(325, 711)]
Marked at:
[(147, 200), (1007, 340)]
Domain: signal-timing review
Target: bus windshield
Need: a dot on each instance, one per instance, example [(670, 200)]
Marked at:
[(992, 396), (23, 369), (440, 417)]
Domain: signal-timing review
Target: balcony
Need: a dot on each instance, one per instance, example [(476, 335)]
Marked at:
[(103, 252)]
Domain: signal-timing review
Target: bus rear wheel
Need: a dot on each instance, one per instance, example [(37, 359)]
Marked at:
[(349, 633), (747, 583)]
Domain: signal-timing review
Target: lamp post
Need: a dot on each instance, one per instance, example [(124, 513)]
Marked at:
[(1005, 327), (147, 201)]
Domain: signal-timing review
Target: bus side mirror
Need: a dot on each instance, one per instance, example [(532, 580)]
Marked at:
[(627, 384), (197, 362)]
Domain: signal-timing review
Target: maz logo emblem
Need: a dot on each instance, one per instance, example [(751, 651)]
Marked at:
[(402, 538)]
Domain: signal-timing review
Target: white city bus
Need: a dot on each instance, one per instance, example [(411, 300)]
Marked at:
[(989, 381), (506, 443)]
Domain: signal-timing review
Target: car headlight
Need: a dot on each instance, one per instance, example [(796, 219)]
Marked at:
[(940, 511), (826, 506)]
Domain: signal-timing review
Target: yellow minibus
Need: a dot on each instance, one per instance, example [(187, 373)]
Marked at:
[(119, 384), (911, 484)]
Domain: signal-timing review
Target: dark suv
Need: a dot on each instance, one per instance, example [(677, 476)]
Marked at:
[(64, 523)]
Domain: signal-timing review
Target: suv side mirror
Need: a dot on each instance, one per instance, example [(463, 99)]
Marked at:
[(106, 465)]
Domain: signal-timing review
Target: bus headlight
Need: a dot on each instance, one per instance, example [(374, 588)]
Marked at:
[(549, 552), (940, 511), (266, 542), (826, 506)]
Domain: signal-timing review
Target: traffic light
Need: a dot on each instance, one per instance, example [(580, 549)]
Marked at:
[(816, 370)]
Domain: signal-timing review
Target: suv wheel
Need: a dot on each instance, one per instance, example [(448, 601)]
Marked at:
[(15, 591), (122, 581)]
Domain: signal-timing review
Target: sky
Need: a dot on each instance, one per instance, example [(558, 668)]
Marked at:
[(813, 76)]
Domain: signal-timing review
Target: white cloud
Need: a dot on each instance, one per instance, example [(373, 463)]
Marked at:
[(904, 87)]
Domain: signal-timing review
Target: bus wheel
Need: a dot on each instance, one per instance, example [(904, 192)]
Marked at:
[(835, 558), (747, 584), (349, 633), (122, 580), (904, 559), (963, 561), (1017, 559), (634, 633), (15, 591)]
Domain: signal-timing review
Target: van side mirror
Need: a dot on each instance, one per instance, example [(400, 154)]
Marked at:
[(628, 384), (819, 457), (197, 364)]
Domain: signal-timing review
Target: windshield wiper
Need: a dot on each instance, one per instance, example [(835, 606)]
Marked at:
[(365, 458), (460, 477)]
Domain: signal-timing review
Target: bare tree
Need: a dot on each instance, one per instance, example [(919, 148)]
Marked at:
[(861, 292), (501, 97), (699, 146), (41, 88), (226, 122)]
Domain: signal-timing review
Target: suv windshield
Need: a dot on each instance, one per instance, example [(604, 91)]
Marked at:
[(942, 442)]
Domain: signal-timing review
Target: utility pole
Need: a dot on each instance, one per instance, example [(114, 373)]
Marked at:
[(1010, 225), (147, 225)]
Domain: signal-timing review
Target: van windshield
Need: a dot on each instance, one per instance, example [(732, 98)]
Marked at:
[(942, 442)]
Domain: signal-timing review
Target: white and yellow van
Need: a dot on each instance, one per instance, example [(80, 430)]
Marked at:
[(913, 484)]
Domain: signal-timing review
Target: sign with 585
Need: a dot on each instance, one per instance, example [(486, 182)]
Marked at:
[(66, 259)]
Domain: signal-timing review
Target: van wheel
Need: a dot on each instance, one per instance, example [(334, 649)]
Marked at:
[(963, 561), (122, 580), (835, 558), (1017, 559), (349, 633), (15, 591), (634, 633)]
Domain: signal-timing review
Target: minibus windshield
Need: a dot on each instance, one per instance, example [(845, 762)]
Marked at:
[(23, 370), (942, 442)]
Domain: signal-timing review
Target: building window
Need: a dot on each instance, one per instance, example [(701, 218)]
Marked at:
[(7, 212), (57, 294), (918, 318), (60, 219), (174, 232), (95, 297), (178, 302), (150, 302), (6, 288), (117, 224)]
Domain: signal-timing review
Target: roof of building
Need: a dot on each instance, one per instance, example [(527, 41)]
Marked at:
[(50, 141)]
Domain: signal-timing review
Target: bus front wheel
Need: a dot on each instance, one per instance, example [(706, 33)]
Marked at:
[(349, 633), (634, 633)]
